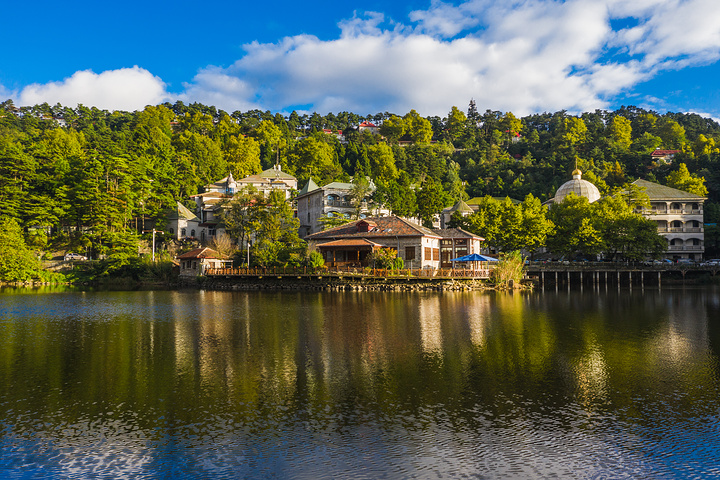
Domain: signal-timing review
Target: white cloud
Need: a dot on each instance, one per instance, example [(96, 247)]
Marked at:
[(523, 56), (122, 89)]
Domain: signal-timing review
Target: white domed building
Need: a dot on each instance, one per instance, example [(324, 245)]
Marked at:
[(578, 186)]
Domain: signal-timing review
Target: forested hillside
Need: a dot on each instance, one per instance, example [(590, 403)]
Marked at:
[(101, 171)]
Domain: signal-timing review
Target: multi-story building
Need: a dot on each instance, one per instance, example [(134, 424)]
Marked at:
[(204, 223), (334, 199), (270, 180), (679, 216)]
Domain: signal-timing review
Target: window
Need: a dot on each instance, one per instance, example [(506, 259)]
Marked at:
[(409, 253), (428, 253), (436, 254), (192, 233), (171, 230), (184, 232)]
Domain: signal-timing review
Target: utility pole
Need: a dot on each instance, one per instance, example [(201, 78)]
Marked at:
[(153, 248)]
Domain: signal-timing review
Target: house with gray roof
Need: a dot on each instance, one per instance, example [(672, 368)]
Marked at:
[(333, 199), (679, 217), (182, 222)]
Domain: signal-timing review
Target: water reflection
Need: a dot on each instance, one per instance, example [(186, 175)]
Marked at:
[(201, 383)]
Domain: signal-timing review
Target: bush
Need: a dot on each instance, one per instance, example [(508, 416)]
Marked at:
[(386, 258), (315, 260), (510, 268)]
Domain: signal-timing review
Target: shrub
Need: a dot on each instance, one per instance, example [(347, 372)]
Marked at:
[(509, 268)]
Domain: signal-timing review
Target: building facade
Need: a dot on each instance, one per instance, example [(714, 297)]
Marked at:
[(334, 199), (679, 217), (419, 247)]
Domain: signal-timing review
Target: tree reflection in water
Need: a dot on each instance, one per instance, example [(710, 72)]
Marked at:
[(202, 383)]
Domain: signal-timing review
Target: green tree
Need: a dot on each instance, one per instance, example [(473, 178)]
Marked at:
[(535, 224), (205, 154), (242, 155), (683, 180), (17, 263), (620, 132), (671, 132), (418, 128), (242, 215), (431, 199), (382, 162), (574, 232), (393, 128), (456, 124), (313, 157), (277, 241)]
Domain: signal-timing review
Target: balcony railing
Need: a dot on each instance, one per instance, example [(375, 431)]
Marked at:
[(671, 212), (680, 230), (685, 248)]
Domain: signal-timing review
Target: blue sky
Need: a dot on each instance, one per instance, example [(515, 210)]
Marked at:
[(524, 56)]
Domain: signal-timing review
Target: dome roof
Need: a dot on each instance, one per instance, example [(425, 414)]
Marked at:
[(579, 187)]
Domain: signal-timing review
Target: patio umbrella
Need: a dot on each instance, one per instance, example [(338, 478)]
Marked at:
[(474, 257)]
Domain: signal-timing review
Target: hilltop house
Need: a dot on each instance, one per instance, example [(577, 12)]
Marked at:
[(369, 127), (679, 216), (663, 156)]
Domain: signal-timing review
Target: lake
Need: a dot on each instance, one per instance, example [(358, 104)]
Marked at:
[(314, 385)]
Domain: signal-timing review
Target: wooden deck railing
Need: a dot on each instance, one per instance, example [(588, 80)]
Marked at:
[(353, 271)]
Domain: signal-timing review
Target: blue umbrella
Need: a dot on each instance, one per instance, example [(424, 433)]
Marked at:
[(474, 257)]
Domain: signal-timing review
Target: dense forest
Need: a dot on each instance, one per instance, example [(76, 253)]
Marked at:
[(85, 178)]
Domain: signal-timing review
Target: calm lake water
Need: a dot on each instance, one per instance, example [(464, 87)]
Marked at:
[(197, 384)]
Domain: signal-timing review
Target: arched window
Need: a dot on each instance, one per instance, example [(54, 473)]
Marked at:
[(183, 232), (171, 230), (192, 233)]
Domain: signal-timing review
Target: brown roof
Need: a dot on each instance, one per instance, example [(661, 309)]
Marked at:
[(204, 252), (391, 226), (350, 242)]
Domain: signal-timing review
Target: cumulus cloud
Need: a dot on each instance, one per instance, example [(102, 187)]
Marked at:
[(522, 56), (519, 55), (122, 89)]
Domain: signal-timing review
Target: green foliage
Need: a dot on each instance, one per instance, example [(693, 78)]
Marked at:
[(94, 181), (17, 262), (385, 258), (683, 180), (315, 260), (509, 268)]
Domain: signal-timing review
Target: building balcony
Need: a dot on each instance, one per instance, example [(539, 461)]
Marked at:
[(339, 203), (680, 230), (671, 212), (685, 248)]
